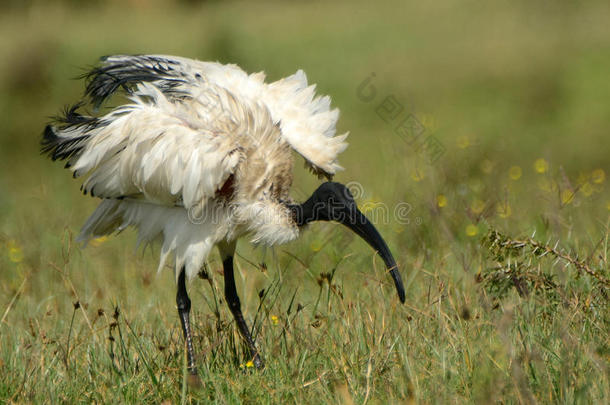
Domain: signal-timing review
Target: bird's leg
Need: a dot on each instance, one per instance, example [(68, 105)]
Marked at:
[(235, 306), (184, 308)]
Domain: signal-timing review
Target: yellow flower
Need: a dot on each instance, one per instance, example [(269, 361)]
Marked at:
[(515, 173), (587, 189), (369, 205), (471, 230), (541, 166), (441, 200), (598, 176), (504, 210), (463, 142), (249, 364), (274, 320), (417, 175), (567, 196), (98, 241), (364, 207), (15, 253), (487, 166), (316, 246), (477, 206)]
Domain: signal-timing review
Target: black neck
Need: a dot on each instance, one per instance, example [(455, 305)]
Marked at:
[(303, 213)]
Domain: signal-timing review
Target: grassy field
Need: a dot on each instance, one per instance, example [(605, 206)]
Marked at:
[(502, 237)]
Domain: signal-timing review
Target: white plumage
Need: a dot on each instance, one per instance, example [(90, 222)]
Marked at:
[(159, 161), (200, 155)]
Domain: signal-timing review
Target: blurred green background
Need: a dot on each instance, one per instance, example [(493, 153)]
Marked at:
[(517, 93)]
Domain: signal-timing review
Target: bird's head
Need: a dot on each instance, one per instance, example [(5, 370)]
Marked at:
[(334, 202)]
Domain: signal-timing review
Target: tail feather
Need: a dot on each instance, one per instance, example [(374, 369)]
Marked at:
[(106, 219)]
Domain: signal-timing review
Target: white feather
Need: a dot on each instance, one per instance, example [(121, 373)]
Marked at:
[(160, 162), (306, 120)]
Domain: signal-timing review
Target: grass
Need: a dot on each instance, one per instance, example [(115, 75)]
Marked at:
[(503, 241)]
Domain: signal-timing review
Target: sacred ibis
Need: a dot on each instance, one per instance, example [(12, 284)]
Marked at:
[(199, 156)]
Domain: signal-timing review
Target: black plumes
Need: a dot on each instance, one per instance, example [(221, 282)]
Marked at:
[(125, 71), (71, 118), (66, 136), (60, 147)]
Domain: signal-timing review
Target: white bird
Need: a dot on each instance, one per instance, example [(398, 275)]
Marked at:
[(201, 155)]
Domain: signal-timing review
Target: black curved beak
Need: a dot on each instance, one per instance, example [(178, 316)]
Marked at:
[(334, 202), (359, 223)]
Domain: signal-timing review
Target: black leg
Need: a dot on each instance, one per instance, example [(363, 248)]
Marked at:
[(184, 308), (235, 307)]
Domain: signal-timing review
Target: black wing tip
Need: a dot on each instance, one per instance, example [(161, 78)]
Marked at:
[(64, 147), (72, 118), (49, 141), (51, 144), (70, 115), (116, 72)]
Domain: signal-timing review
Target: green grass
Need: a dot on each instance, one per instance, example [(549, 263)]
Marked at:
[(505, 264)]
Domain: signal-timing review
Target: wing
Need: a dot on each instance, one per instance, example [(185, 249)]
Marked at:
[(170, 152), (306, 121)]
